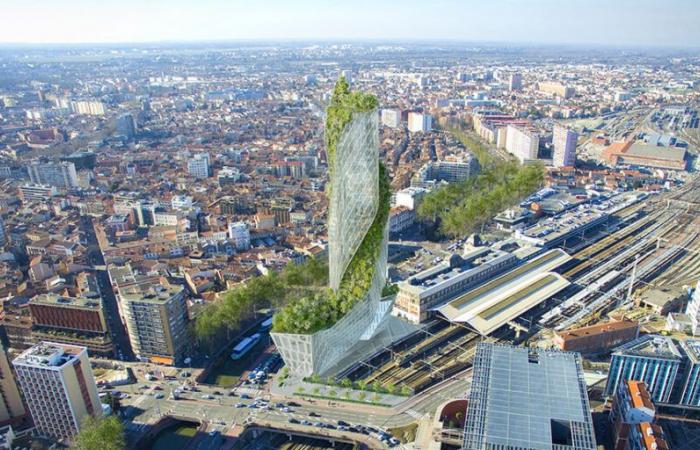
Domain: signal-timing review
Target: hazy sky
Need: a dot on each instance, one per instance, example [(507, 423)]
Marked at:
[(614, 22)]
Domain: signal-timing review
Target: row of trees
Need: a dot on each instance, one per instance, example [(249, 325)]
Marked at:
[(101, 433), (362, 385), (275, 290), (461, 208)]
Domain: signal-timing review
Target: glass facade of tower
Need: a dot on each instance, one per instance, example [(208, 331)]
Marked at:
[(354, 202)]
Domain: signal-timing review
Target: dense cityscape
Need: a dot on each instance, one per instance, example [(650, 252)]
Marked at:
[(353, 245)]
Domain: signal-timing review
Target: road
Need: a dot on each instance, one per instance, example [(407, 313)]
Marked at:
[(117, 329), (220, 410)]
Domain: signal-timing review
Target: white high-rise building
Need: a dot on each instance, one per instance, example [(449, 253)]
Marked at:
[(88, 107), (419, 122), (693, 310), (391, 118), (198, 165), (564, 141), (240, 235), (59, 388), (522, 142), (58, 174)]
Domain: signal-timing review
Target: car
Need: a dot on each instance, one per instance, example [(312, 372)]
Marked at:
[(293, 404), (292, 420), (213, 433), (318, 424), (208, 397), (314, 414), (232, 394), (279, 405), (252, 406), (245, 396), (330, 426), (159, 395), (342, 428), (305, 422), (157, 388), (240, 405), (343, 423), (217, 393), (286, 409), (124, 395)]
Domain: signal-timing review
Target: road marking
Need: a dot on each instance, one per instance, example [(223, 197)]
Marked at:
[(415, 414)]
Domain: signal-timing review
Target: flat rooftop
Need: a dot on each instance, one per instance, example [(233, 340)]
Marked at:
[(607, 327), (49, 354), (502, 299), (67, 302), (528, 398), (651, 345)]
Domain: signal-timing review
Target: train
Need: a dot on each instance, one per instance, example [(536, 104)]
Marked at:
[(244, 346)]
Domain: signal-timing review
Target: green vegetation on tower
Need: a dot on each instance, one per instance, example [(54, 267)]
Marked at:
[(318, 312)]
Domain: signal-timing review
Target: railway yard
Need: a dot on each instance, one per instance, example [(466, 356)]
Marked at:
[(651, 243)]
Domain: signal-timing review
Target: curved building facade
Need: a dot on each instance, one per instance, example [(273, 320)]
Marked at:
[(355, 203)]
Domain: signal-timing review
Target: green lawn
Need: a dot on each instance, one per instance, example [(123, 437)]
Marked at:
[(175, 438)]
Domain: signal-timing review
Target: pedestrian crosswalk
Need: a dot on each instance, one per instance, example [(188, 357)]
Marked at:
[(415, 414)]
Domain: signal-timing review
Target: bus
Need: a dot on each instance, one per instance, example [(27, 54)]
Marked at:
[(266, 325), (244, 346)]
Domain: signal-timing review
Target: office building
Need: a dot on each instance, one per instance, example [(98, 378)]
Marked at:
[(689, 384), (198, 165), (11, 405), (391, 118), (59, 388), (515, 81), (73, 321), (564, 141), (422, 293), (59, 174), (523, 142), (239, 233), (558, 89), (654, 360), (525, 398), (156, 319), (419, 122)]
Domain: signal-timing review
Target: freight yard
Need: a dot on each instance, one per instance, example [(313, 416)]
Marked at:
[(645, 244)]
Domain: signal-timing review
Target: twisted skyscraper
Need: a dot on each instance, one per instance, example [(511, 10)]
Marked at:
[(357, 232)]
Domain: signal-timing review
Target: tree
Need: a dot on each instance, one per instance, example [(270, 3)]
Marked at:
[(315, 390), (376, 398), (361, 396), (333, 393), (101, 433), (346, 383), (390, 388), (362, 384), (300, 390), (347, 394), (376, 386), (405, 390)]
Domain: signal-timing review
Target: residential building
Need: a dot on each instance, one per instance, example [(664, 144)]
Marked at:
[(59, 388), (557, 89), (652, 359), (156, 319), (410, 197), (419, 122), (564, 141), (523, 142), (391, 118), (647, 436), (240, 235), (37, 192), (11, 405), (88, 107), (693, 310), (527, 398), (59, 174), (198, 165)]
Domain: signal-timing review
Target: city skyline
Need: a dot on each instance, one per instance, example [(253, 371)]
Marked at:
[(640, 24)]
